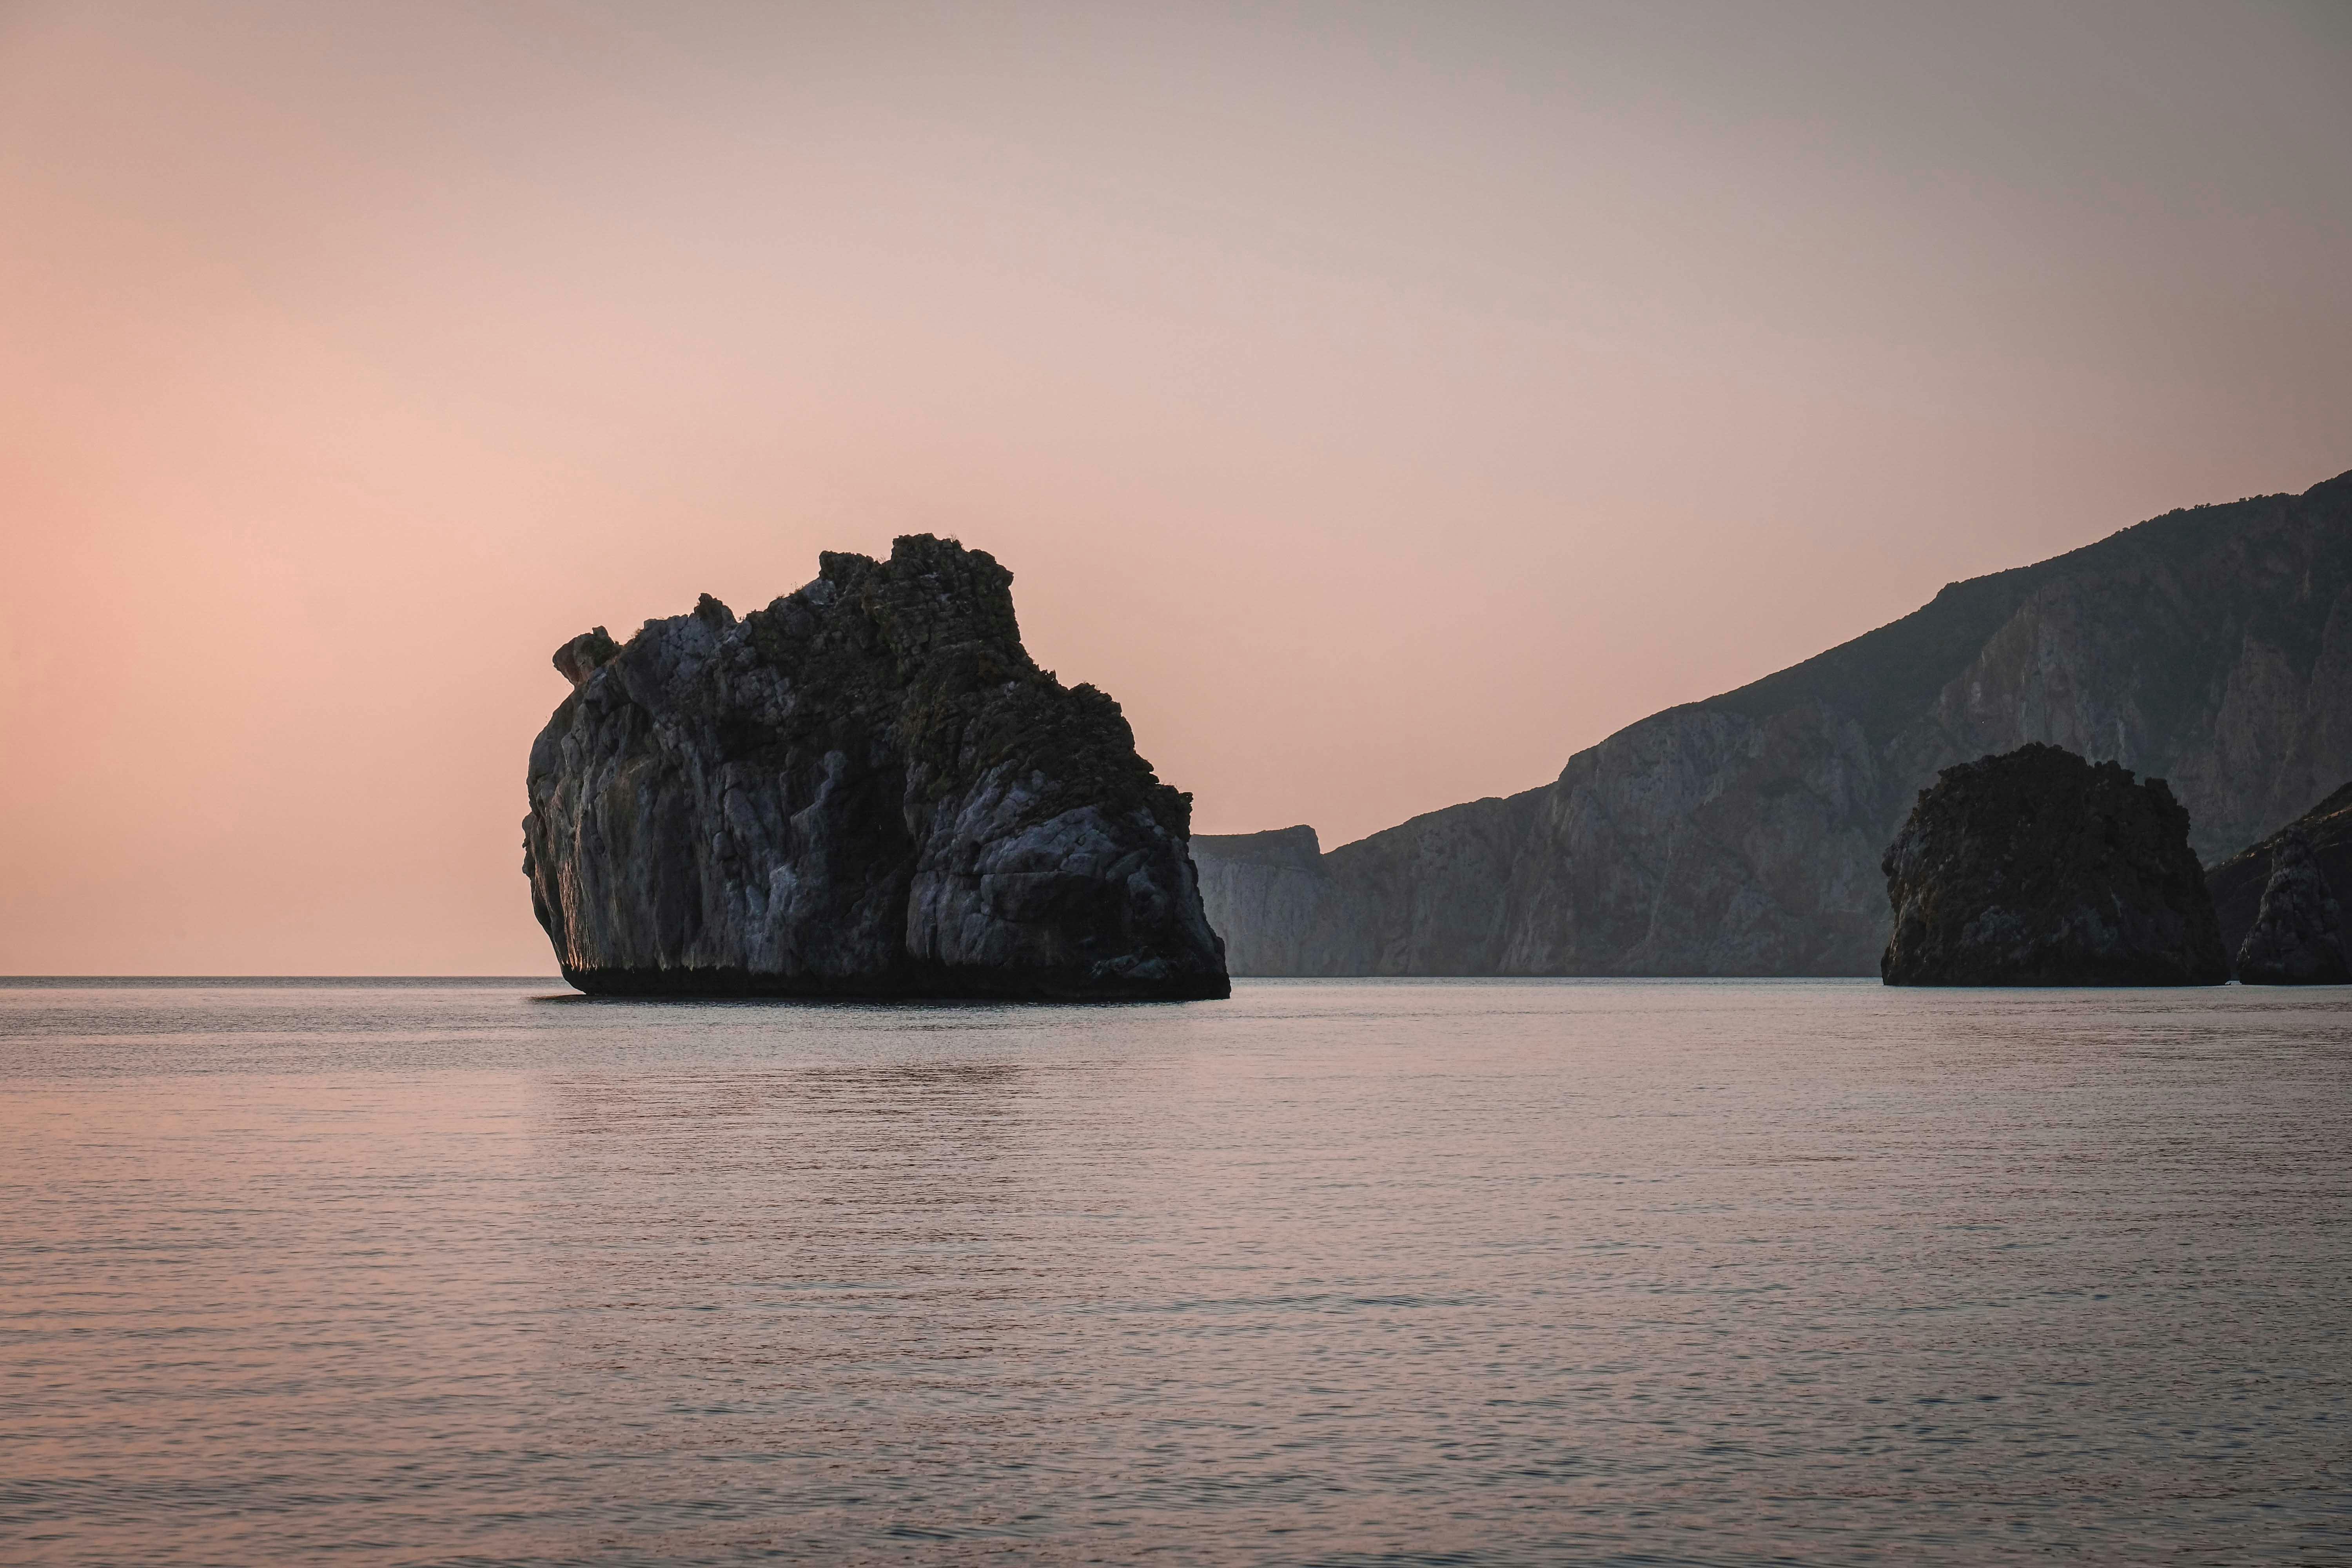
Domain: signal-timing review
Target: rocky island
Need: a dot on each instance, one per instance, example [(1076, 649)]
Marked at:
[(2297, 937), (2240, 883), (867, 789), (2036, 868)]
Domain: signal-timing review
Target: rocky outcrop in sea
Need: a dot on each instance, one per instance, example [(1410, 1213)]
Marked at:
[(867, 788), (2039, 868), (1742, 834), (2238, 883), (2297, 937)]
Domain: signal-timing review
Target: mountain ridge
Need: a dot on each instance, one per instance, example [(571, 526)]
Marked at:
[(1739, 834)]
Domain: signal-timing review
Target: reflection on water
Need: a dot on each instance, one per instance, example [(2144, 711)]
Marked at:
[(1334, 1273)]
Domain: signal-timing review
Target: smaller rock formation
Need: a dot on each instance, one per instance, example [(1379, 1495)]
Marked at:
[(867, 788), (2238, 882), (2298, 934), (2036, 868)]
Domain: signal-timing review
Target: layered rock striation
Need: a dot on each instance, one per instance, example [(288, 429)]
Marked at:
[(1742, 834), (2297, 937), (867, 789), (2039, 868)]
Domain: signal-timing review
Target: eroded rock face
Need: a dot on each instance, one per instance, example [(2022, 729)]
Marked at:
[(2039, 868), (867, 789), (2298, 932), (1742, 834), (1275, 891), (2238, 882)]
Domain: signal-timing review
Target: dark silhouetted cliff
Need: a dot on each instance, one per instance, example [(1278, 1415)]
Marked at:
[(2036, 868), (2238, 882)]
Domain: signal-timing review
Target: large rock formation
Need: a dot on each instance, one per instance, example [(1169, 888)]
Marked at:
[(1742, 834), (2040, 869), (2238, 882), (2297, 937), (867, 789)]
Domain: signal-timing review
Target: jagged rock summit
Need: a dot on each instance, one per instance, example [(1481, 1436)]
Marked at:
[(867, 789), (2036, 868), (2298, 934)]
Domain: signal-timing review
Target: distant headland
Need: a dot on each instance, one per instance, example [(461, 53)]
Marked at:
[(1742, 834)]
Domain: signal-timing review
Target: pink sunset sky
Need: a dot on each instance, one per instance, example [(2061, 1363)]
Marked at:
[(1382, 401)]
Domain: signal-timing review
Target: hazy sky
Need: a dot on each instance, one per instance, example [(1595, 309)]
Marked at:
[(1382, 401)]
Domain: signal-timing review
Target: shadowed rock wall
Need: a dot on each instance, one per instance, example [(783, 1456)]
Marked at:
[(2298, 931), (2238, 882)]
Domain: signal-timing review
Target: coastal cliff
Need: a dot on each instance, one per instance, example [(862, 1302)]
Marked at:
[(867, 789), (1742, 834)]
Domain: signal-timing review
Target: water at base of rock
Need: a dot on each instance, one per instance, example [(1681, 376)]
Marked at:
[(1336, 1272)]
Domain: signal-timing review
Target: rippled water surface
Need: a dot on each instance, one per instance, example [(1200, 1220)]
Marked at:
[(1334, 1272)]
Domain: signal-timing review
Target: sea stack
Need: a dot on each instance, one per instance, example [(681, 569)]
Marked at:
[(867, 789), (2036, 868), (2298, 934)]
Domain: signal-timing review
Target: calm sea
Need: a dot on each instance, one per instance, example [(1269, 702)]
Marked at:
[(1342, 1272)]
